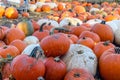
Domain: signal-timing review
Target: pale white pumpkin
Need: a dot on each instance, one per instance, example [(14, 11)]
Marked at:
[(39, 4), (112, 25), (51, 4), (93, 21), (31, 40), (72, 21), (117, 36), (32, 7), (80, 56), (94, 10), (47, 21), (31, 48)]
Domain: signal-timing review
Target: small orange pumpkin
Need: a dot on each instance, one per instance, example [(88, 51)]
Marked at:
[(79, 9), (25, 14), (60, 6), (11, 13), (45, 8), (19, 44), (9, 50)]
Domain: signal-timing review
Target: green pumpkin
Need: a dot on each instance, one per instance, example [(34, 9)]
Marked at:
[(26, 26)]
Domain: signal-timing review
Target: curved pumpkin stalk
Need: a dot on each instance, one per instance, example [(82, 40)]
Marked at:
[(37, 52), (61, 29)]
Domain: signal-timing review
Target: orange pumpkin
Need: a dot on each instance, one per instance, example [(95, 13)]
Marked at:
[(2, 11), (19, 44), (109, 64), (72, 37), (90, 34), (104, 31), (60, 6), (45, 8), (79, 9), (2, 33), (25, 14), (77, 30), (110, 18), (87, 41), (78, 74), (13, 34), (9, 50), (38, 9), (11, 13), (100, 47), (41, 33)]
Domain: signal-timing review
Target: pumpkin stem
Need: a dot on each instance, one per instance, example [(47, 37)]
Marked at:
[(37, 52), (11, 77), (41, 27), (4, 47), (103, 22), (106, 43), (40, 78), (57, 59), (69, 35), (76, 75), (78, 24), (69, 24), (83, 38), (49, 23), (58, 28), (4, 60), (117, 50), (80, 52), (70, 10)]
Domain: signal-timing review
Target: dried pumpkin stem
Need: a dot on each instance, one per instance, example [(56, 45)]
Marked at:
[(76, 75), (37, 52), (103, 22), (57, 59), (117, 50), (41, 27), (11, 77), (58, 28), (106, 43), (80, 52)]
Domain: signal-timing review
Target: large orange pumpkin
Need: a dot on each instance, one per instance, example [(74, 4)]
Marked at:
[(56, 66), (55, 45), (11, 13), (24, 67), (13, 34), (109, 64), (104, 31)]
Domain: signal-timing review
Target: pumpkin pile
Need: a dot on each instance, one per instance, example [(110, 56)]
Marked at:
[(74, 41)]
